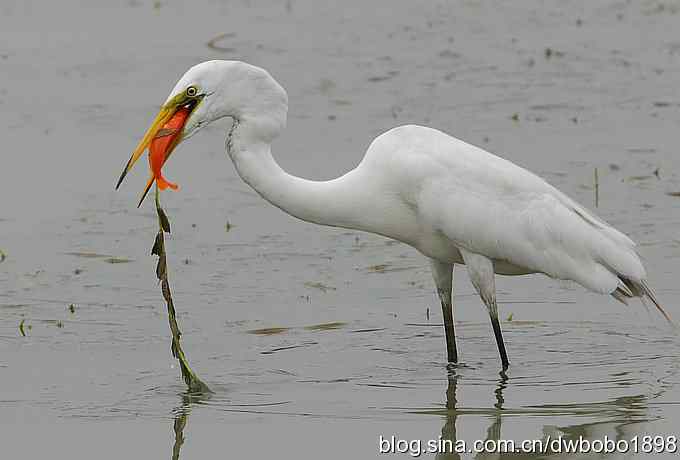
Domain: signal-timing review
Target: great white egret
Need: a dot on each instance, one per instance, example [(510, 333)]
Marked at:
[(452, 201)]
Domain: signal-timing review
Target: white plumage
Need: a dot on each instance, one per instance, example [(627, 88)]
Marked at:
[(452, 201), (463, 197)]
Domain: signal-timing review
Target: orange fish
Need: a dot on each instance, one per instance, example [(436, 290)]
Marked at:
[(162, 145)]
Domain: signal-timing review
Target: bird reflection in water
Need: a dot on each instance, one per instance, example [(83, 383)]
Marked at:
[(619, 419), (449, 435)]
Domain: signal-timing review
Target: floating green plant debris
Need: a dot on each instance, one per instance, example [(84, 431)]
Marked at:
[(385, 268), (23, 327), (378, 268), (94, 255), (3, 256), (549, 52), (117, 260), (320, 286), (195, 384), (72, 308), (314, 327), (268, 330), (216, 42), (87, 255), (326, 326), (13, 305), (640, 178)]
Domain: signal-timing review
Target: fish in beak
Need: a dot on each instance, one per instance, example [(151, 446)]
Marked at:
[(164, 134)]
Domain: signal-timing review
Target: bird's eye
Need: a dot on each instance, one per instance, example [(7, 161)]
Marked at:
[(192, 91)]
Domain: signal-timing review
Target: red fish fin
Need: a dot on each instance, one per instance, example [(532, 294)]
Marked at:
[(163, 183)]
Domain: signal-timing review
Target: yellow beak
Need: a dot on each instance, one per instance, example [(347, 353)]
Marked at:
[(165, 114)]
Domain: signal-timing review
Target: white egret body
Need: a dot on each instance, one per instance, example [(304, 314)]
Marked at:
[(452, 201)]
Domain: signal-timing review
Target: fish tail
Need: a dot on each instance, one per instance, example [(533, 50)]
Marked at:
[(163, 184)]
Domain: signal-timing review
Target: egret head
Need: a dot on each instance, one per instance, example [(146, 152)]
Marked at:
[(207, 92)]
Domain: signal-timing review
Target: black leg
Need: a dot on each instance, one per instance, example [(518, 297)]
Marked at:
[(449, 330), (443, 279), (481, 272), (499, 340)]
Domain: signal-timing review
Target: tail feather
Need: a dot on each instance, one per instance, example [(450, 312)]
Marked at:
[(629, 288), (622, 293), (620, 296), (650, 295)]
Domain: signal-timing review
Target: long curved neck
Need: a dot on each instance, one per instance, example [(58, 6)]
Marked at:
[(335, 202)]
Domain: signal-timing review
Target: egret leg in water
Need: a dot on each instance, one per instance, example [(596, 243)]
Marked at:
[(443, 279), (482, 276)]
